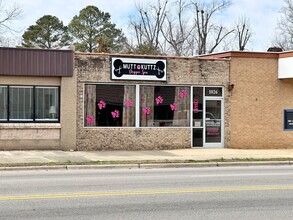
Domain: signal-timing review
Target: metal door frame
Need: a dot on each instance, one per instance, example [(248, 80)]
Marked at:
[(208, 145), (213, 145)]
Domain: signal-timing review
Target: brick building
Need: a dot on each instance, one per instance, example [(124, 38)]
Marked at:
[(261, 101), (185, 87), (55, 99), (37, 99)]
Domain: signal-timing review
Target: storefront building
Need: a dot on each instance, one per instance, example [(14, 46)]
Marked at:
[(37, 99), (65, 100), (261, 99), (145, 102)]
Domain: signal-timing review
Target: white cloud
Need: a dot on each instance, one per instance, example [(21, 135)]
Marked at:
[(263, 15)]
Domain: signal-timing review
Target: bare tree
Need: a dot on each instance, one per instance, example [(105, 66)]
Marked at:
[(283, 42), (242, 32), (7, 16), (179, 29), (207, 28), (10, 41), (284, 36), (148, 24)]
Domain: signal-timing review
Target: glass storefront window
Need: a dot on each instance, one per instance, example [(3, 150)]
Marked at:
[(158, 106), (109, 105), (29, 104), (197, 106), (21, 103), (288, 119), (47, 103), (197, 134), (164, 106)]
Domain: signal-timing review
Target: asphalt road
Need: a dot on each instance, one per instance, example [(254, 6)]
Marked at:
[(177, 193)]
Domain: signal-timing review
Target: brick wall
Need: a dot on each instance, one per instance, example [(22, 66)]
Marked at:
[(257, 104), (95, 68)]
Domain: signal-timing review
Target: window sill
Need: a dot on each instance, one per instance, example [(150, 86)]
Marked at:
[(30, 125)]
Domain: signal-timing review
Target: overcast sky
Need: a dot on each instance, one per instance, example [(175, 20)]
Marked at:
[(263, 14)]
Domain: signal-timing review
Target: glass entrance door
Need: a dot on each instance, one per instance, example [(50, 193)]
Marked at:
[(207, 116), (213, 123)]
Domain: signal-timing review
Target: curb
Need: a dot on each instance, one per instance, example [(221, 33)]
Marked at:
[(255, 163), (18, 168), (216, 164), (106, 166), (177, 165), (148, 166), (70, 167)]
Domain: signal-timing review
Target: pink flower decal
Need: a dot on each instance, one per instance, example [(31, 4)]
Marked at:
[(183, 94), (173, 106), (146, 110), (115, 113), (90, 120), (159, 100), (128, 103), (195, 106), (102, 104)]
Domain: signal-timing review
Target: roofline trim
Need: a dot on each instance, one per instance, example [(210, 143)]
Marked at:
[(244, 54)]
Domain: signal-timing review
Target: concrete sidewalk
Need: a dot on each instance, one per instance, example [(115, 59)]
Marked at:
[(26, 157)]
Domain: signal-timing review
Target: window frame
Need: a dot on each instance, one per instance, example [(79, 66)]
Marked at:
[(285, 119), (164, 85), (10, 103), (137, 105), (33, 120), (110, 84), (58, 102), (5, 103)]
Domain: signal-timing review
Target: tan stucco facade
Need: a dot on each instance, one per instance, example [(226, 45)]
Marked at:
[(68, 112), (43, 136)]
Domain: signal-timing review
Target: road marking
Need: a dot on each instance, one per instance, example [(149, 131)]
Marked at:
[(241, 174), (143, 192)]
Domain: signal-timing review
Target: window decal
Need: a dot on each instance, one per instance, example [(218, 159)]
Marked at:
[(102, 104), (128, 103), (115, 113), (146, 110), (90, 120), (174, 106), (195, 106), (159, 100), (183, 94)]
